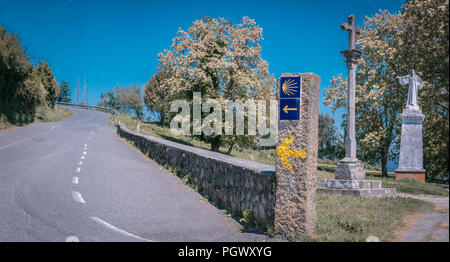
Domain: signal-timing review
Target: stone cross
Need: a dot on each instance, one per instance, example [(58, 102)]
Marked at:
[(350, 168), (350, 171), (415, 84), (352, 31)]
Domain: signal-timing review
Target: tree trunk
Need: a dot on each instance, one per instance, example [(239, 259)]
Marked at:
[(229, 149), (384, 159), (215, 144), (162, 117), (215, 147)]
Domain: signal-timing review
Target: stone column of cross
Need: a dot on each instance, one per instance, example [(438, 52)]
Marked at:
[(352, 55), (350, 167)]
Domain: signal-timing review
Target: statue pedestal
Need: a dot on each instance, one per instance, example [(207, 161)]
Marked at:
[(410, 164)]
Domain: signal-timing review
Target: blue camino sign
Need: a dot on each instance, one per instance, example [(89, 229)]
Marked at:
[(290, 91)]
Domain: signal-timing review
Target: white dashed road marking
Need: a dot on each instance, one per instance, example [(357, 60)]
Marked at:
[(118, 230), (82, 157), (84, 153), (80, 163), (78, 170), (75, 180), (77, 197)]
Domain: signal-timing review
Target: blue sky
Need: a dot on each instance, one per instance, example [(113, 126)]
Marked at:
[(116, 42)]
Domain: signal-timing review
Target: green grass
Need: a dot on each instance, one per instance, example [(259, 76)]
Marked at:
[(325, 167), (11, 119), (413, 187), (351, 219)]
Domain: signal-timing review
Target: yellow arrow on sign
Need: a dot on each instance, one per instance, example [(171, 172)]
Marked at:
[(283, 151), (286, 109)]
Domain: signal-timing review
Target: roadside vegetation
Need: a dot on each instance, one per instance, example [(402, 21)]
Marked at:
[(51, 115), (12, 119), (28, 92)]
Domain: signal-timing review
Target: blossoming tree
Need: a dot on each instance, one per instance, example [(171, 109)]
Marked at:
[(218, 58)]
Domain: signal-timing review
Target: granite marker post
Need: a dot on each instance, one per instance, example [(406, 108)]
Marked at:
[(297, 148)]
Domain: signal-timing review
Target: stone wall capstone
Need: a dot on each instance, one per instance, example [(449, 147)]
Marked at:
[(234, 183)]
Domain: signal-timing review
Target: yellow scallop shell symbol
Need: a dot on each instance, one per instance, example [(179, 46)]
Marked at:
[(289, 87), (283, 152)]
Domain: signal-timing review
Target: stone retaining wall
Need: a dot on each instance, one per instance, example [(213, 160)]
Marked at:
[(234, 183)]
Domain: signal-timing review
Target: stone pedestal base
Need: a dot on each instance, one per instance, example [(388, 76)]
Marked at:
[(356, 188), (350, 170), (416, 176), (410, 163)]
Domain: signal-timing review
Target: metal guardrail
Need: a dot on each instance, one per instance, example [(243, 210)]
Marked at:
[(112, 111)]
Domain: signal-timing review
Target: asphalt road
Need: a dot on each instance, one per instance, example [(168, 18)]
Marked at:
[(75, 180)]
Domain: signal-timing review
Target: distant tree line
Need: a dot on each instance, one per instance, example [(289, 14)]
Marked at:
[(64, 93), (126, 100), (331, 143)]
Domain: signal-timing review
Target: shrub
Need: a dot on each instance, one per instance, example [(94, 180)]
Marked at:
[(248, 218)]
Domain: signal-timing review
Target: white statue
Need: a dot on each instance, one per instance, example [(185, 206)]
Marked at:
[(415, 84)]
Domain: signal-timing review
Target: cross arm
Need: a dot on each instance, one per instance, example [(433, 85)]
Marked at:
[(345, 26), (348, 27)]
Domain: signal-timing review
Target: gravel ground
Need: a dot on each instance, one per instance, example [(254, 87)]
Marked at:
[(428, 227)]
